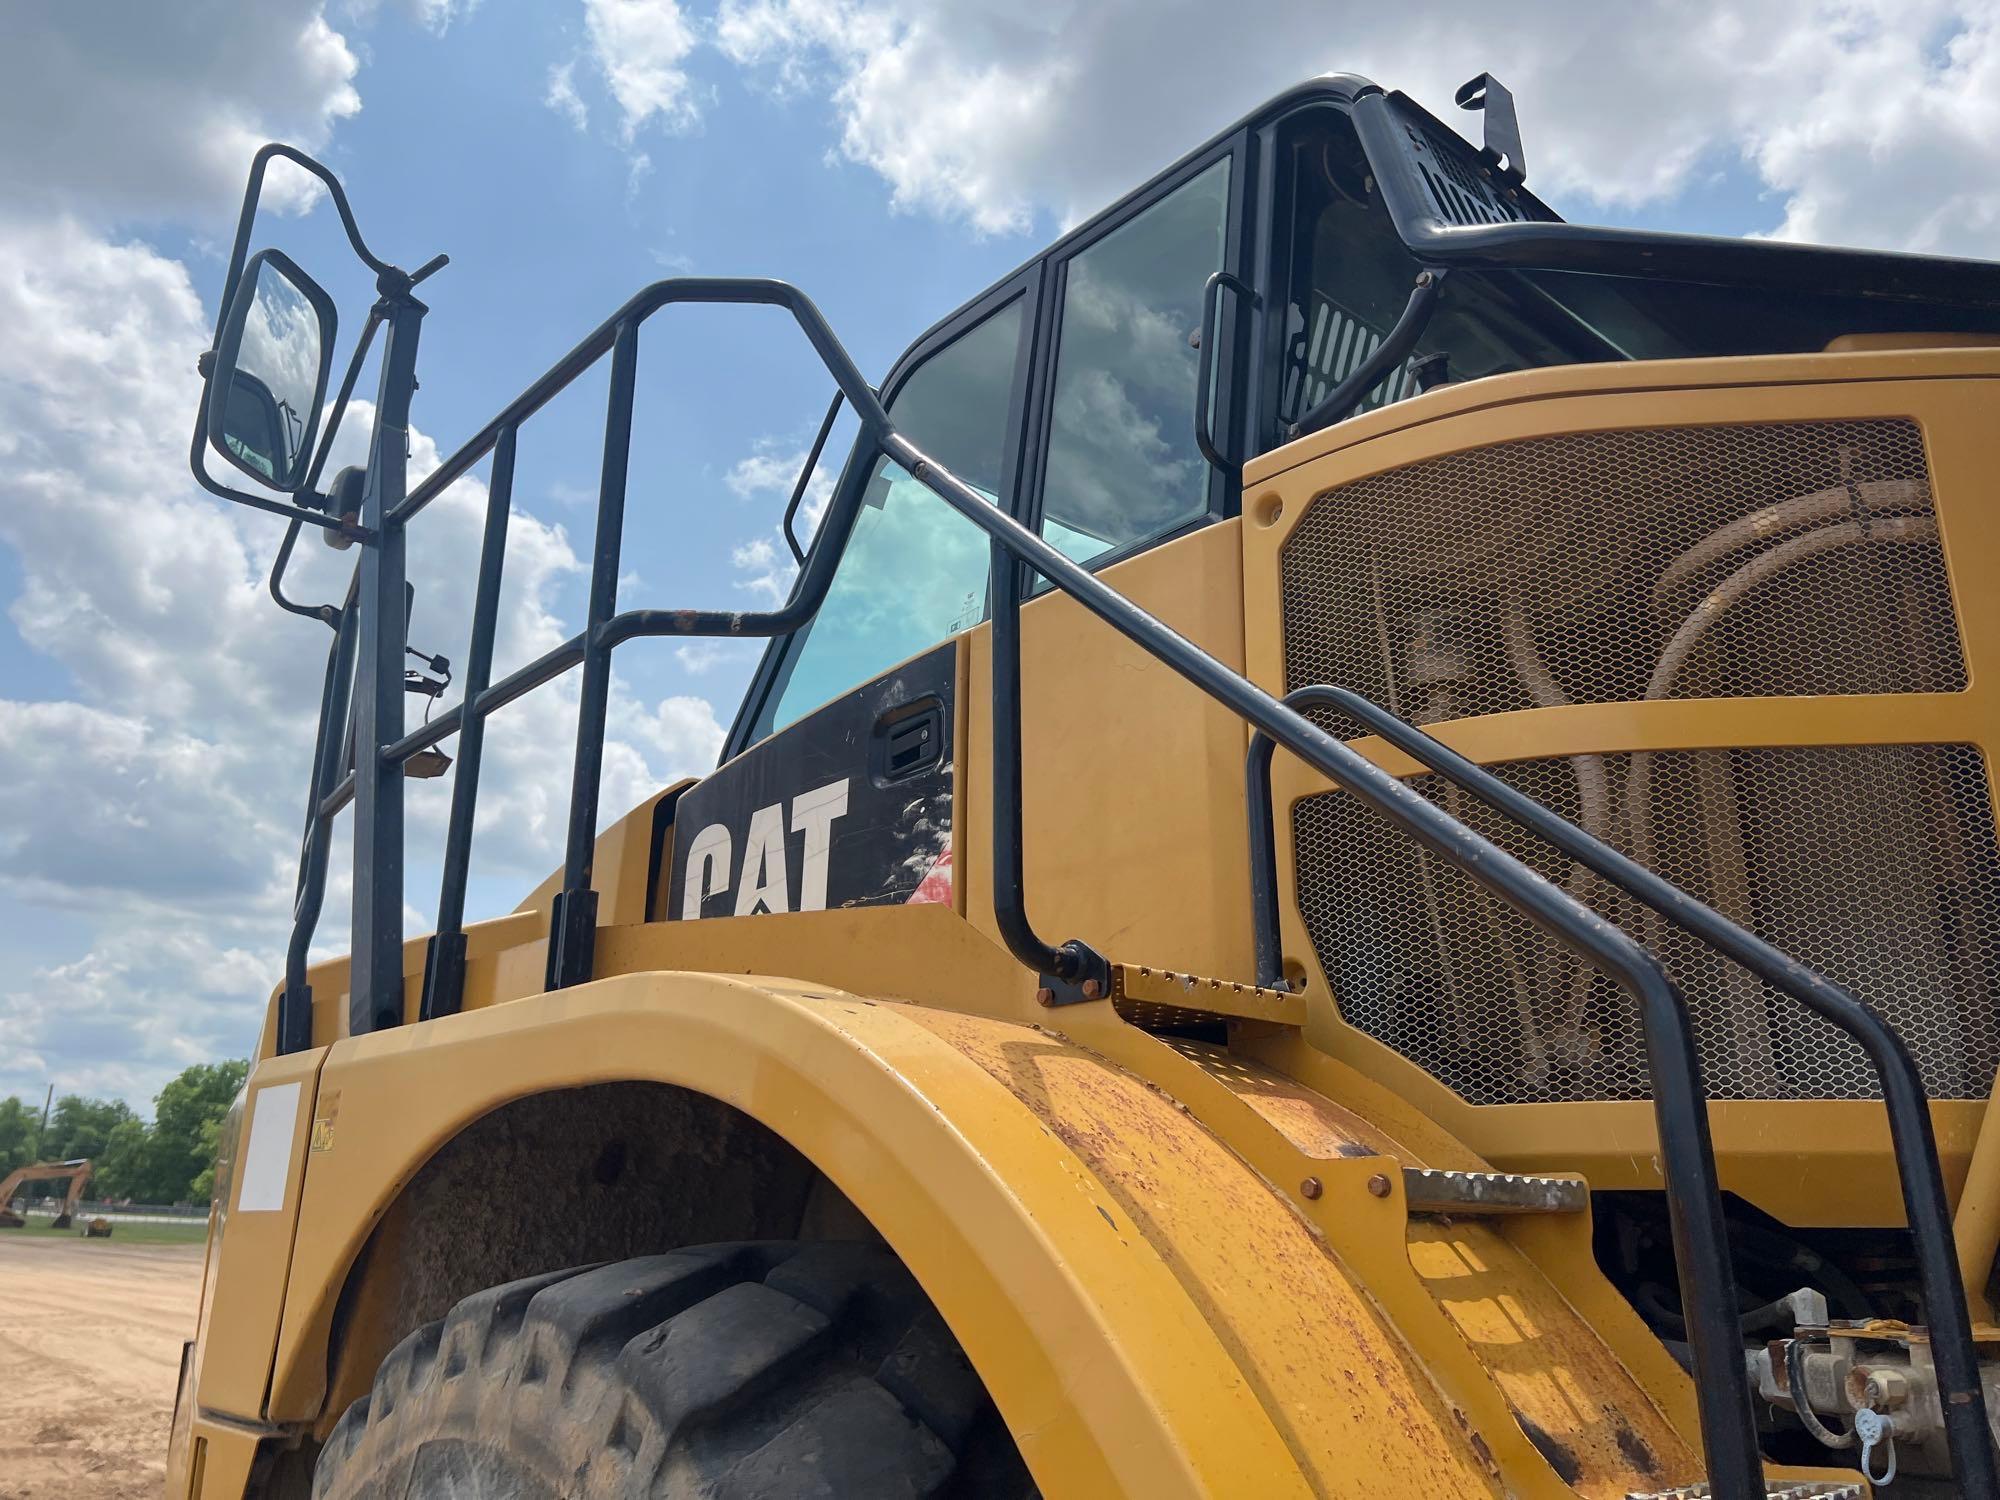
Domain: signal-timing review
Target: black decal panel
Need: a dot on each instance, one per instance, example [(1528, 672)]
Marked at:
[(851, 806)]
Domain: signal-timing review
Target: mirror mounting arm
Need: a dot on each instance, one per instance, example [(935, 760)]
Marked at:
[(392, 282)]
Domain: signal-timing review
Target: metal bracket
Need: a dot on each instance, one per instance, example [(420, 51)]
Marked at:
[(1502, 151), (1052, 990)]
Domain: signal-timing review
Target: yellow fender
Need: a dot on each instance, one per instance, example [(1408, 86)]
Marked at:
[(1151, 1317)]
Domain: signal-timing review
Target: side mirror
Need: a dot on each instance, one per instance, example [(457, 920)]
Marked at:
[(268, 381)]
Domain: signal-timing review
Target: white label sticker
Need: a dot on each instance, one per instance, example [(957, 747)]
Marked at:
[(267, 1159)]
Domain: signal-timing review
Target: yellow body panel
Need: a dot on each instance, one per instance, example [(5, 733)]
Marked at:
[(1130, 1355), (246, 1285), (1117, 1229), (1807, 1162), (1131, 779)]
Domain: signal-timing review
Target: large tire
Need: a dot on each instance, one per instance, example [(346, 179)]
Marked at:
[(749, 1370)]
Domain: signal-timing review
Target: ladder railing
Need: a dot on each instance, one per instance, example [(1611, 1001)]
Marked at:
[(341, 762), (1911, 1133)]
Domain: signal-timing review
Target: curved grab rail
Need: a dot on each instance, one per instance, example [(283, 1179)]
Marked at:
[(1914, 1140)]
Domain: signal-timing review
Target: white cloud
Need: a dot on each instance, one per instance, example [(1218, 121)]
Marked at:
[(166, 791), (1870, 120), (697, 657), (154, 816), (435, 16), (145, 1002), (769, 473), (762, 571), (639, 48), (682, 733), (563, 98), (132, 107)]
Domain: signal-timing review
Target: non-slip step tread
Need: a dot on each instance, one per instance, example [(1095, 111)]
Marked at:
[(1430, 1191)]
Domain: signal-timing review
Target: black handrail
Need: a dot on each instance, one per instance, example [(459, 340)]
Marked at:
[(572, 936), (1204, 374), (805, 478), (1694, 1197), (1911, 1133)]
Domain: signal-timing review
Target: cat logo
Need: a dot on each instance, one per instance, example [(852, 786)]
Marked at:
[(764, 884)]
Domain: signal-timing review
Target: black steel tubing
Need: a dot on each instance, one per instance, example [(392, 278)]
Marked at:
[(736, 290), (1204, 375), (805, 477), (343, 396), (1924, 1200), (573, 923), (444, 964), (337, 799), (1267, 945), (375, 981), (309, 896), (518, 683), (1072, 962)]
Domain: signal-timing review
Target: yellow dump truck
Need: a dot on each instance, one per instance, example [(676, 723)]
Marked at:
[(1362, 863)]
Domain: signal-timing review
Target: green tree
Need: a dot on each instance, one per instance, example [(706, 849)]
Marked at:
[(203, 1187), (185, 1114), (17, 1134), (125, 1169), (80, 1127)]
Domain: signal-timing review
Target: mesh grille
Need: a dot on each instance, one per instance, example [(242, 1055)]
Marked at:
[(1333, 346), (1873, 864), (1463, 195), (1691, 562)]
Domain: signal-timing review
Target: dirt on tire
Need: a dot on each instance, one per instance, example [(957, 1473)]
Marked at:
[(90, 1340)]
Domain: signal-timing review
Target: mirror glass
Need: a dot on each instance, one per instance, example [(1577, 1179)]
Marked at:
[(270, 405)]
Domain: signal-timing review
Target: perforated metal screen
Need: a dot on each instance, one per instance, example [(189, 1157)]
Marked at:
[(1751, 560), (1462, 193), (1685, 562), (1874, 864)]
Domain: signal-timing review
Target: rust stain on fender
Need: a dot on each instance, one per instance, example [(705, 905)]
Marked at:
[(1358, 1412), (1573, 1398)]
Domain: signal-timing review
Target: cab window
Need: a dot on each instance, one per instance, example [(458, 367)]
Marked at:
[(914, 570), (1122, 464), (1346, 276)]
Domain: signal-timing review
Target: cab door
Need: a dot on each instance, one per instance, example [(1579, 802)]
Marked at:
[(1116, 466), (840, 791)]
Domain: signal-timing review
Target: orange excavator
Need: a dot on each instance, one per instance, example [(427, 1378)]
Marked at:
[(78, 1172)]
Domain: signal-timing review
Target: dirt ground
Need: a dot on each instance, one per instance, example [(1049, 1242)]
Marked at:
[(90, 1348)]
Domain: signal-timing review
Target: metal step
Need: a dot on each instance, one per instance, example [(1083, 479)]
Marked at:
[(1804, 1489), (1477, 1193)]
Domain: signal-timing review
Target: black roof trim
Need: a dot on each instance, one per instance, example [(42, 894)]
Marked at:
[(1327, 88), (1549, 243), (1653, 254)]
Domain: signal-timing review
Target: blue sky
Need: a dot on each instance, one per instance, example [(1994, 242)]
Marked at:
[(891, 158)]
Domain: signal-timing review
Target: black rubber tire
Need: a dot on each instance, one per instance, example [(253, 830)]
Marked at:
[(732, 1371)]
